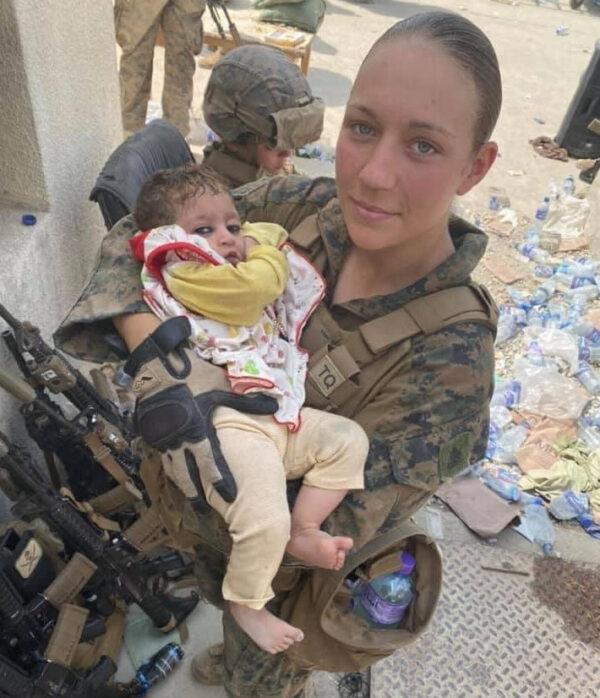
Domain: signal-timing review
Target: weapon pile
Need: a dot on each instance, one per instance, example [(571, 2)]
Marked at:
[(59, 615)]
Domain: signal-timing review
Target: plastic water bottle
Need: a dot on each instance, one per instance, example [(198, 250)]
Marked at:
[(569, 505), (507, 328), (587, 351), (583, 293), (589, 525), (539, 526), (508, 443), (588, 433), (544, 271), (505, 489), (507, 394), (382, 602), (586, 375), (156, 669), (542, 211), (535, 355), (535, 254), (569, 185), (543, 293), (537, 316), (590, 333)]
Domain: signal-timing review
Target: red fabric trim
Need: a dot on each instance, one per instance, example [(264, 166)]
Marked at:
[(136, 243), (155, 261)]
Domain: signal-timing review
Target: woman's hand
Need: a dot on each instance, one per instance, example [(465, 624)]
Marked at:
[(176, 394)]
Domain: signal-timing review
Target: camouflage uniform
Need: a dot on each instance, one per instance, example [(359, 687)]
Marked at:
[(426, 424), (136, 24)]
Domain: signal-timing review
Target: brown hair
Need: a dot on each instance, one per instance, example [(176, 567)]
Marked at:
[(164, 193), (469, 47)]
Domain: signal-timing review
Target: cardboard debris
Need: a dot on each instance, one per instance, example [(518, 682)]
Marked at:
[(507, 270), (579, 242)]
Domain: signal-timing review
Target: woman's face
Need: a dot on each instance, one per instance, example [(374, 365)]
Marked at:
[(406, 145)]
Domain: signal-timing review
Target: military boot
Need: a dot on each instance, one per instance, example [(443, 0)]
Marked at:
[(207, 667)]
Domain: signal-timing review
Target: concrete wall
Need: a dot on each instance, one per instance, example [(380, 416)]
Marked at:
[(65, 51)]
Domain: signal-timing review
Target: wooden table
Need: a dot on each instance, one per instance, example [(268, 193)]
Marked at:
[(299, 52), (214, 41)]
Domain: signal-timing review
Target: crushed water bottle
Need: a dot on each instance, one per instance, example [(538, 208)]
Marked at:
[(506, 394), (507, 328), (584, 329), (505, 489), (582, 293), (586, 375), (543, 293), (533, 253), (588, 351), (588, 433), (535, 355), (382, 602), (508, 443), (569, 505), (543, 271), (569, 185), (537, 527), (589, 525)]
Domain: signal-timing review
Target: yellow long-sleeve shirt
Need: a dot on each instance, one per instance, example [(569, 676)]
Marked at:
[(234, 295)]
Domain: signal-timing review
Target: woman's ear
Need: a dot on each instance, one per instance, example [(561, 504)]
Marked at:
[(484, 159)]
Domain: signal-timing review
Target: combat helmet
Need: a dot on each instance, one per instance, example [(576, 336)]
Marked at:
[(258, 91)]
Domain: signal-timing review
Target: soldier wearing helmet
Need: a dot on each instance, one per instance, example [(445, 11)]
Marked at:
[(261, 106)]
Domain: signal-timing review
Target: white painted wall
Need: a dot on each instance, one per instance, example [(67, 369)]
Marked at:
[(68, 55)]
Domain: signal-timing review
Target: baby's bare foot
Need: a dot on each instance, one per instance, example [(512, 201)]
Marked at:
[(270, 633), (319, 549)]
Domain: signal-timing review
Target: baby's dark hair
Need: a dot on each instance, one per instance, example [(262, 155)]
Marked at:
[(163, 195)]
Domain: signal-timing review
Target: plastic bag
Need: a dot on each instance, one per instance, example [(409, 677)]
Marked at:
[(554, 342), (545, 391), (569, 505)]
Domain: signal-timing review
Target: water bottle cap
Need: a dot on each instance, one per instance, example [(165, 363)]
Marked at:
[(28, 219), (408, 563)]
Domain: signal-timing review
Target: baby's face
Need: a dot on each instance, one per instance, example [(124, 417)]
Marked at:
[(213, 216)]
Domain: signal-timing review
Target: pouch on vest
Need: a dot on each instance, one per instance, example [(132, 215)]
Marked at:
[(338, 640)]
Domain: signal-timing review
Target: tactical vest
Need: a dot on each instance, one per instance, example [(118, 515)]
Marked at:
[(347, 368)]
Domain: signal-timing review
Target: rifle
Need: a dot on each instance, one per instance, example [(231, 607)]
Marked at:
[(216, 6), (50, 369), (77, 442), (118, 569), (49, 679)]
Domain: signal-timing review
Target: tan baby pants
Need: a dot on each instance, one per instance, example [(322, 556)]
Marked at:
[(327, 451)]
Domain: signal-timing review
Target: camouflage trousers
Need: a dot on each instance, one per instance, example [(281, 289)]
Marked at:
[(137, 23), (249, 672)]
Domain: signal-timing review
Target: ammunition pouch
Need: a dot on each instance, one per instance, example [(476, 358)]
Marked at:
[(321, 604)]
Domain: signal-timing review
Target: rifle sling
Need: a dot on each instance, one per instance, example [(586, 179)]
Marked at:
[(85, 508), (106, 459)]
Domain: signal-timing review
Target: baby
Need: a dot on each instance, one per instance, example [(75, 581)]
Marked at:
[(248, 295)]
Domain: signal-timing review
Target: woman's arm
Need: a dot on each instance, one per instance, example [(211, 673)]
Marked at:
[(286, 200)]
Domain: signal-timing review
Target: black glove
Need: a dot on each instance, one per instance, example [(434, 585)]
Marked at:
[(177, 393)]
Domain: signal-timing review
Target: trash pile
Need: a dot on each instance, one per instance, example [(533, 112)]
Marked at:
[(543, 453)]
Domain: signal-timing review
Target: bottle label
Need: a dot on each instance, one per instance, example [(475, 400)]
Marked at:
[(381, 611)]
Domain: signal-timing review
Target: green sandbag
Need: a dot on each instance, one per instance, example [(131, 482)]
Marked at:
[(306, 15)]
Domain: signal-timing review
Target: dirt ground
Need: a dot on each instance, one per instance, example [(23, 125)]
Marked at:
[(540, 69)]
